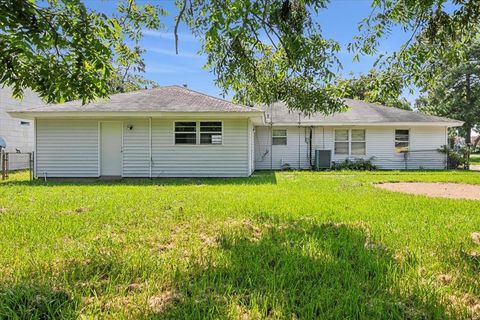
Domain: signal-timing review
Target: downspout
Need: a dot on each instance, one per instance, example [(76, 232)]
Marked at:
[(310, 146), (447, 147), (35, 148), (150, 144), (271, 138), (323, 137), (299, 141)]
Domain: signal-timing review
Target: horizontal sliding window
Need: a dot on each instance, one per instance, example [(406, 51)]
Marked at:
[(198, 132)]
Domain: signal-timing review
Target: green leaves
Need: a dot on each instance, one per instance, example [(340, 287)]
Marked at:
[(266, 51), (455, 92), (383, 88), (64, 51)]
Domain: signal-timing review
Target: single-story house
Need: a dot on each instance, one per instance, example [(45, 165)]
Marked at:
[(177, 132)]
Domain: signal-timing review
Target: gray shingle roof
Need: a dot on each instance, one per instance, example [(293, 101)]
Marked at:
[(163, 99), (358, 112)]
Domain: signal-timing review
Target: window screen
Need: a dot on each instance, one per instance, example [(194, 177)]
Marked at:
[(358, 146), (341, 141), (402, 138), (279, 137), (211, 132)]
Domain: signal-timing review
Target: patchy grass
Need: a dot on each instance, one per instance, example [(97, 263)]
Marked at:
[(276, 245)]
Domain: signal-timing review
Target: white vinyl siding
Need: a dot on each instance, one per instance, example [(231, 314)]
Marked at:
[(136, 148), (379, 144), (294, 154), (67, 148), (203, 160)]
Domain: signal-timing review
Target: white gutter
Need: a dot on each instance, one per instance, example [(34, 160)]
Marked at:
[(365, 124)]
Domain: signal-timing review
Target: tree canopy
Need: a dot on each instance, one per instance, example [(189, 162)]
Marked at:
[(63, 51), (262, 50), (455, 93), (382, 88)]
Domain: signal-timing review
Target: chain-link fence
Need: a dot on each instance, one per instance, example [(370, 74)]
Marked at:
[(13, 161)]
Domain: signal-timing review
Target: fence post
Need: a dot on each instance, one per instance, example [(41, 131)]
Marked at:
[(467, 159), (6, 164), (30, 165), (2, 160)]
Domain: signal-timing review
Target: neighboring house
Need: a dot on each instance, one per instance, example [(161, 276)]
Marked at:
[(177, 132), (17, 133)]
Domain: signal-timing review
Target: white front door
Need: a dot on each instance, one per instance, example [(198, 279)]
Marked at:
[(111, 148)]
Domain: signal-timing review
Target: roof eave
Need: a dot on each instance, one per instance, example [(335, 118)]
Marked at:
[(133, 114)]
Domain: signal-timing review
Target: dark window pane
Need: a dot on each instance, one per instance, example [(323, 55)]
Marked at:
[(185, 129), (279, 141), (211, 129), (185, 124), (401, 135), (185, 138), (211, 124), (279, 133), (210, 138)]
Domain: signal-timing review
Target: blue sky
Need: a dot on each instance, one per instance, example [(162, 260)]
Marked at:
[(339, 21)]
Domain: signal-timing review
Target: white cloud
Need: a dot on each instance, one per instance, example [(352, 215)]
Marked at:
[(181, 53), (182, 36)]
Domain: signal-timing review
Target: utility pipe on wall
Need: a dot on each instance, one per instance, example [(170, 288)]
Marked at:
[(150, 144)]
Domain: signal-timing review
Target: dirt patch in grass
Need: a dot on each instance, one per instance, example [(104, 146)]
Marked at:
[(443, 190)]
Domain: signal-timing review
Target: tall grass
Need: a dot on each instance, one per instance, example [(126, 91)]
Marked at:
[(296, 245)]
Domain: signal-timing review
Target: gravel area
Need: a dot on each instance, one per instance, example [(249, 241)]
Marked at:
[(443, 190)]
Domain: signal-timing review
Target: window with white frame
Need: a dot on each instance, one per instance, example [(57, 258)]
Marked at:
[(198, 132), (211, 132), (279, 137), (186, 132), (350, 142), (358, 144), (341, 141), (402, 140)]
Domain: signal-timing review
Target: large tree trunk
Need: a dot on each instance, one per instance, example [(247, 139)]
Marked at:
[(468, 134)]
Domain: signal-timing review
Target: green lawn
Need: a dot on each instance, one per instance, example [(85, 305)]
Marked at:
[(290, 245)]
